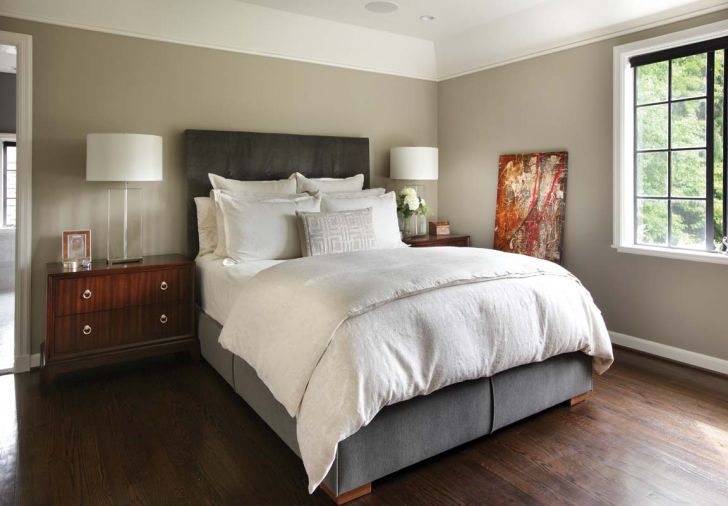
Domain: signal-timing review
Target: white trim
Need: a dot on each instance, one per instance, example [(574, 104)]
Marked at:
[(675, 254), (584, 42), (244, 28), (715, 364), (426, 54), (35, 360), (623, 131), (23, 230)]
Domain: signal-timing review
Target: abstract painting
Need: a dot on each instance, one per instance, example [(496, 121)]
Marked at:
[(530, 206)]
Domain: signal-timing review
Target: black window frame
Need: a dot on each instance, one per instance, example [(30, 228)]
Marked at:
[(709, 47), (5, 146)]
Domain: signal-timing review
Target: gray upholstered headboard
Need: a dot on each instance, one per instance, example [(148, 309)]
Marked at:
[(254, 156)]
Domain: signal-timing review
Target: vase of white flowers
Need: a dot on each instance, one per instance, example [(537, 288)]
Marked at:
[(409, 207)]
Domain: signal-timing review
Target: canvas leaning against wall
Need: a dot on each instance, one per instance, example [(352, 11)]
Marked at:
[(530, 206)]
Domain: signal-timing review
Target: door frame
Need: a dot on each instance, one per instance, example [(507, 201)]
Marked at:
[(24, 218)]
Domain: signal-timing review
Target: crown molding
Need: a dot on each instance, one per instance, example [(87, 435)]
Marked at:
[(231, 25)]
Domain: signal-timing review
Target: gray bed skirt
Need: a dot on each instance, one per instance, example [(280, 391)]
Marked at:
[(408, 432)]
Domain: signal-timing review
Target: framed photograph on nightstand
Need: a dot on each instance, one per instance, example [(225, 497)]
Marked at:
[(76, 248)]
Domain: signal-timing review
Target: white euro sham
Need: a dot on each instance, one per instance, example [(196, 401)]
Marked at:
[(263, 229), (277, 186), (384, 215), (328, 184)]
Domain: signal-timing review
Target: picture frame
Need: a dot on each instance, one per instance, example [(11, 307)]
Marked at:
[(76, 248)]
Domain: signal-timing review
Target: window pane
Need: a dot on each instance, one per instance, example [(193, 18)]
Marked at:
[(11, 155), (10, 215), (718, 148), (688, 173), (688, 124), (652, 127), (652, 222), (689, 76), (652, 82), (652, 174), (688, 224)]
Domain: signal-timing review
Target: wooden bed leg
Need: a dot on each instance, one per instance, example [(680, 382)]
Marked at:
[(348, 496), (578, 399)]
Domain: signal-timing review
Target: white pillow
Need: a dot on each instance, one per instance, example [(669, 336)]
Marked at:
[(278, 186), (372, 192), (206, 225), (328, 184), (221, 247), (384, 215), (264, 229)]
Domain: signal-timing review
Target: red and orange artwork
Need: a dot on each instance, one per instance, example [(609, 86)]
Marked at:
[(529, 216)]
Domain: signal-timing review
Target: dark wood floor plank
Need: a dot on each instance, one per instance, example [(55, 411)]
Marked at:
[(164, 432)]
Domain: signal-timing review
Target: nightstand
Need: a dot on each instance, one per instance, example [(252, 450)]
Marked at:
[(113, 313), (422, 241)]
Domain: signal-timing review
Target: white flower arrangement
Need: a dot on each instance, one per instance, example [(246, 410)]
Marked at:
[(409, 203)]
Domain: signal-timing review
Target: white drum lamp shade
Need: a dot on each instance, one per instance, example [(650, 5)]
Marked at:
[(123, 157), (413, 163)]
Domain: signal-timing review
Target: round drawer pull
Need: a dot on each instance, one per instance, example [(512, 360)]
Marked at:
[(86, 294), (164, 285), (163, 318), (87, 329)]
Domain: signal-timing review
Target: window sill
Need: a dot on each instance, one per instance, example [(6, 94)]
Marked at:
[(694, 256)]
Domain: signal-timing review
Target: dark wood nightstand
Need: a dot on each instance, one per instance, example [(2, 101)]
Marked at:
[(112, 313), (422, 241)]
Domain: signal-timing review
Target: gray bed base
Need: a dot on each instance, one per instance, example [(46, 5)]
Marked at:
[(408, 432)]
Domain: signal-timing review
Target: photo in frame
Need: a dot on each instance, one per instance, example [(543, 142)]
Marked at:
[(76, 248)]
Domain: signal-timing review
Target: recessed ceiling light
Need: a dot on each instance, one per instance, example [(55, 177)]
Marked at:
[(381, 7), (427, 17)]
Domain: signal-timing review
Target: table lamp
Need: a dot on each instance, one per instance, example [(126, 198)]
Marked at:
[(413, 163), (127, 158)]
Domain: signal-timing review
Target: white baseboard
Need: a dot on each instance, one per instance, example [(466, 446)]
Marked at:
[(22, 363), (671, 352), (35, 360)]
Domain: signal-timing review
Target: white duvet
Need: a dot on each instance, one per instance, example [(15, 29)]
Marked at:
[(338, 337)]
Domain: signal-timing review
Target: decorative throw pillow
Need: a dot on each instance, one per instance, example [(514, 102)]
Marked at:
[(328, 184), (206, 225), (263, 229), (384, 216), (325, 233), (277, 186)]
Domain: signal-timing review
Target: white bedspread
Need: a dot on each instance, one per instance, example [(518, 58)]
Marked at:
[(338, 337)]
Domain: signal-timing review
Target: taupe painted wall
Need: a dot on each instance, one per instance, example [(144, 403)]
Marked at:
[(7, 103), (92, 82), (564, 101)]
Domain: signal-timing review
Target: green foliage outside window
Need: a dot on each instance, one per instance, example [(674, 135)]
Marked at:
[(686, 217)]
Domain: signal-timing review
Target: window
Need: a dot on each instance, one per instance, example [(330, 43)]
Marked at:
[(670, 145), (9, 184)]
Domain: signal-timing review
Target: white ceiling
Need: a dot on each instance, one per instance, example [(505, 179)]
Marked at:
[(7, 59), (452, 16), (466, 36)]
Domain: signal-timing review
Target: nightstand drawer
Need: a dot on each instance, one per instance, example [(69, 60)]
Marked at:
[(155, 287), (88, 294), (93, 332)]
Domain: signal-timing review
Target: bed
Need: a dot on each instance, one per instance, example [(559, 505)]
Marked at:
[(402, 433)]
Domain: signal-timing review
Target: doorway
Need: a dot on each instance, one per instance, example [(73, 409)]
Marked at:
[(8, 199)]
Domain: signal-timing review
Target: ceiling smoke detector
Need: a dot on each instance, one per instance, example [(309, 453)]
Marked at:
[(427, 17), (381, 7)]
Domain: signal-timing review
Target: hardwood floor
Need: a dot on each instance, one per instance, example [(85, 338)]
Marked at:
[(165, 432)]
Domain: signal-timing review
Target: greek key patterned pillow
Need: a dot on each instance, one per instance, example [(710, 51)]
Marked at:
[(337, 232)]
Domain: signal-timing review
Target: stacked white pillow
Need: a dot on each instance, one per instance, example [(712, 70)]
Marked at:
[(263, 229), (287, 186), (384, 215), (206, 225), (327, 184), (244, 220)]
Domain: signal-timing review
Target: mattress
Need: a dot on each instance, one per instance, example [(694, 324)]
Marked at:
[(220, 282)]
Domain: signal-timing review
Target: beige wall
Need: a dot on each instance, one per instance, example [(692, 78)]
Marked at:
[(92, 82), (564, 101)]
